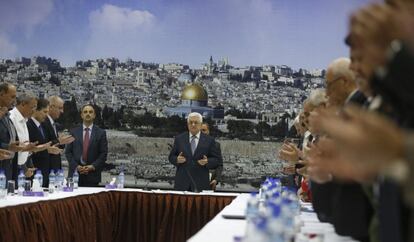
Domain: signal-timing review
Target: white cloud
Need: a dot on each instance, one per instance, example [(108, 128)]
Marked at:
[(249, 32), (7, 49), (115, 31), (20, 15), (113, 19), (25, 14)]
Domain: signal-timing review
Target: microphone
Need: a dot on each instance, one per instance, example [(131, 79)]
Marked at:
[(191, 179)]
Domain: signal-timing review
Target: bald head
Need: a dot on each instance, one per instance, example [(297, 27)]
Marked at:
[(340, 81), (7, 95), (55, 107)]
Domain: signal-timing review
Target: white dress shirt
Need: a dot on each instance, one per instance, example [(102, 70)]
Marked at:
[(53, 125), (37, 123), (196, 139), (19, 123)]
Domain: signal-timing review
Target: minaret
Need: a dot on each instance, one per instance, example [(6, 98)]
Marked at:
[(210, 66), (113, 100)]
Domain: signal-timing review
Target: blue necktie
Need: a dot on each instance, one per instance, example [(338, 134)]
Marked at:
[(193, 144), (41, 131)]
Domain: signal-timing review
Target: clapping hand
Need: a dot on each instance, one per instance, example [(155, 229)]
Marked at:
[(54, 150), (213, 184), (180, 158), (203, 161), (41, 147), (290, 152), (5, 154), (17, 146), (66, 139)]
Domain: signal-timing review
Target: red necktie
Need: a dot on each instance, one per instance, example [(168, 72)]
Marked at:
[(85, 145)]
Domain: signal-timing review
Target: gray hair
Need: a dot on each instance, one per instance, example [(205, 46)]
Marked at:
[(25, 98), (195, 114), (317, 97), (340, 68), (55, 99)]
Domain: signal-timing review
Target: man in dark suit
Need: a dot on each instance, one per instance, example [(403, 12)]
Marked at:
[(40, 157), (8, 134), (216, 173), (89, 151), (193, 153), (51, 132), (344, 204)]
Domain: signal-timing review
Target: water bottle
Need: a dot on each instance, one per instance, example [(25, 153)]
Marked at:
[(39, 177), (3, 190), (20, 182), (287, 217), (59, 180), (121, 179), (260, 231), (52, 181), (278, 184), (252, 213), (76, 179), (276, 226)]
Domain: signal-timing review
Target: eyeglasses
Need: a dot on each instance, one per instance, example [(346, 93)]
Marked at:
[(194, 122)]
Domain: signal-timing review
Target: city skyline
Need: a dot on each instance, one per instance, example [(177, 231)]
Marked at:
[(300, 34)]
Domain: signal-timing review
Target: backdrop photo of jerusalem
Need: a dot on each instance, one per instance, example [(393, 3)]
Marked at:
[(143, 105), (145, 65)]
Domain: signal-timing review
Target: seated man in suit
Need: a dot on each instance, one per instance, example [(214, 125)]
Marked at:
[(88, 153), (216, 173), (193, 153)]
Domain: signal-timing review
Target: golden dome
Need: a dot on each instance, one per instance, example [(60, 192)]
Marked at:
[(194, 92)]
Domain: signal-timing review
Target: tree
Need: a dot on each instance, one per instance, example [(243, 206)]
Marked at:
[(98, 112), (263, 129), (239, 129), (71, 116), (280, 129)]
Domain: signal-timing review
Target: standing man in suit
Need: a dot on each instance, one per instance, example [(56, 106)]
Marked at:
[(19, 115), (216, 173), (8, 136), (193, 153), (51, 131), (88, 153), (37, 135)]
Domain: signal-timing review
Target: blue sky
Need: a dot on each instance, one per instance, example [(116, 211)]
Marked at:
[(298, 33)]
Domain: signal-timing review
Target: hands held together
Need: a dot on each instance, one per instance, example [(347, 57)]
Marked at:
[(181, 159)]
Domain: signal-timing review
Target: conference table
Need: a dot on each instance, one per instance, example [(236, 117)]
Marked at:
[(99, 214), (229, 225)]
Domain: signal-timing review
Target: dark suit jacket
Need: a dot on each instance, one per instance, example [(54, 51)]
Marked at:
[(397, 87), (55, 160), (190, 175), (40, 159), (97, 154), (345, 205), (216, 173), (4, 143)]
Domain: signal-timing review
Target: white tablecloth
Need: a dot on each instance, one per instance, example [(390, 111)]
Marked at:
[(13, 200), (225, 230)]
